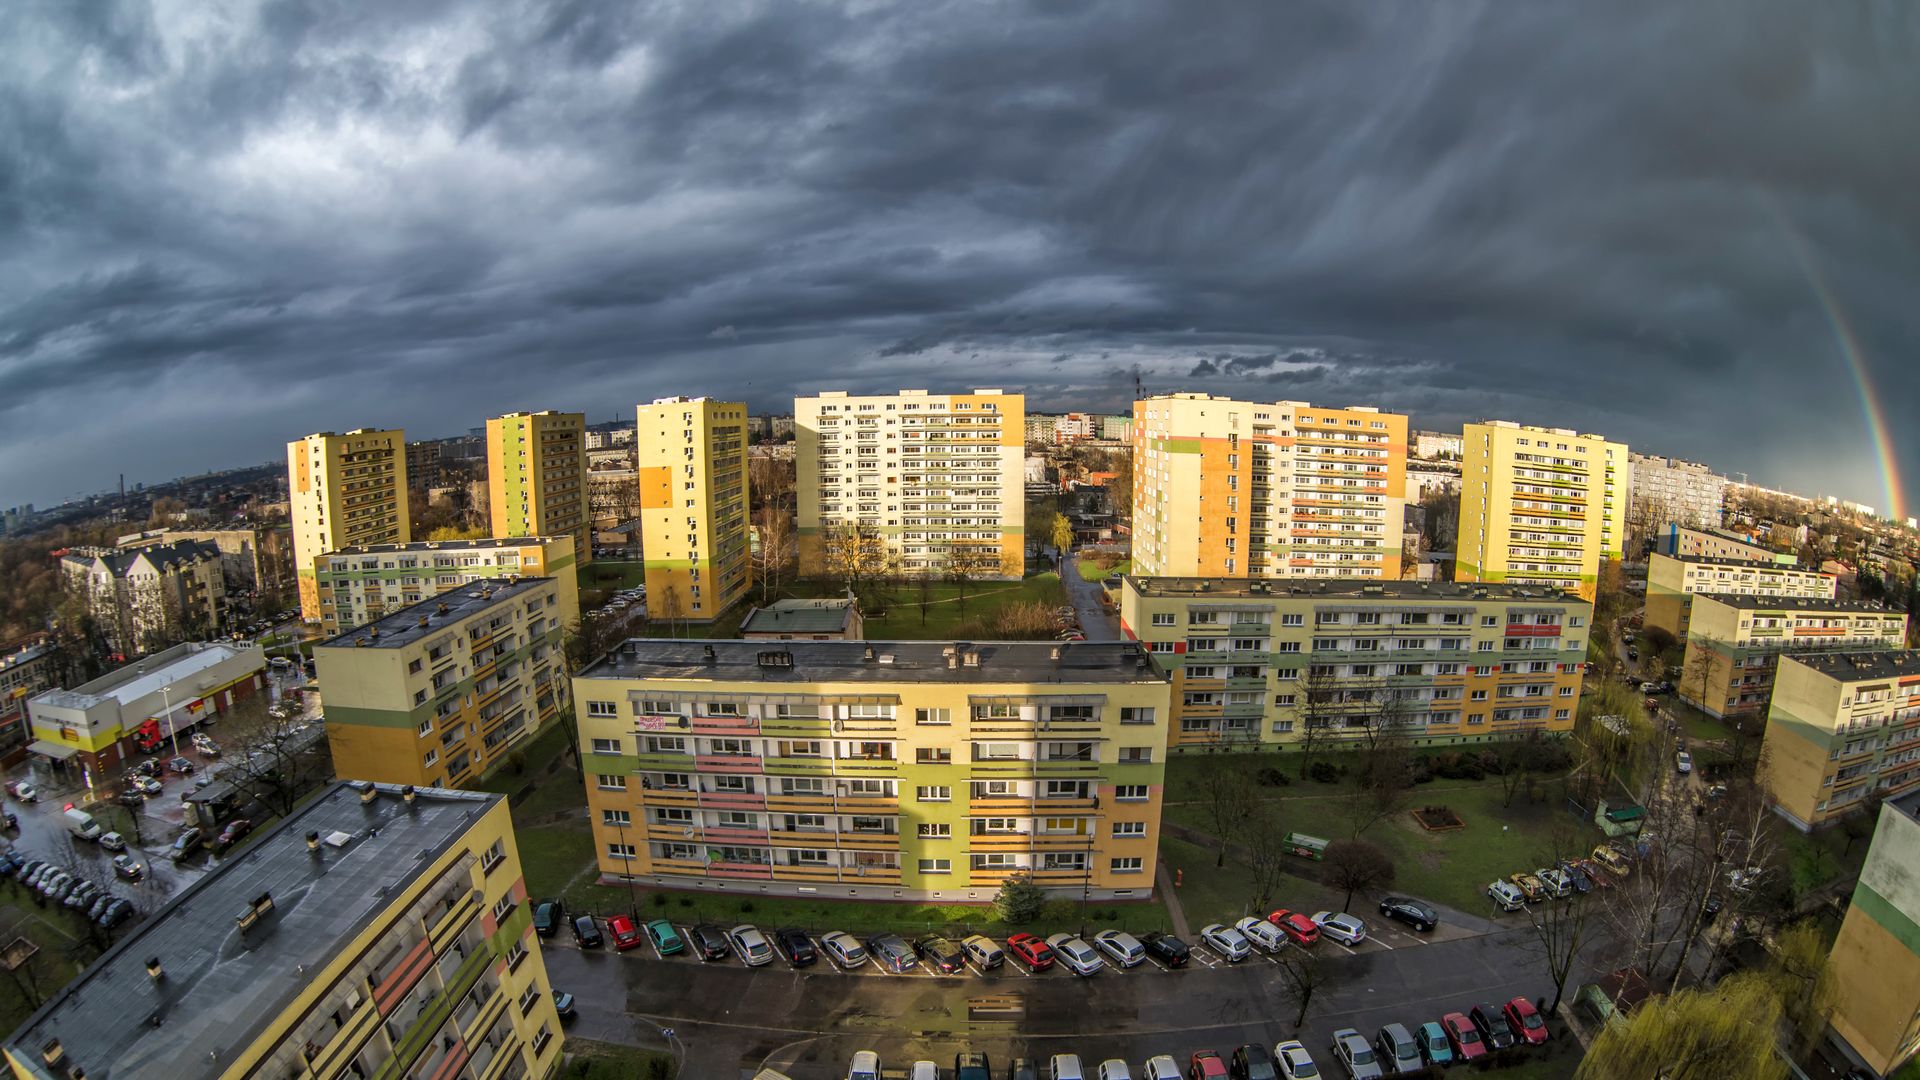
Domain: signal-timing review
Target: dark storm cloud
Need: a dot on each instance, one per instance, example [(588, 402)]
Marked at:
[(219, 230)]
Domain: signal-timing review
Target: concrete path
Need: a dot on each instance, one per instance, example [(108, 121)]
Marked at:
[(1175, 912)]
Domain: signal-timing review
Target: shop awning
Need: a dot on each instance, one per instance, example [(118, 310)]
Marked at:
[(54, 750)]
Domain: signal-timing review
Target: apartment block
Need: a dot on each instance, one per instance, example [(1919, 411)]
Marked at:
[(24, 671), (925, 483), (145, 599), (437, 693), (1841, 726), (696, 534), (1672, 583), (537, 477), (423, 464), (1259, 663), (1540, 506), (876, 770), (1683, 493), (1243, 489), (1876, 959), (253, 561), (343, 491), (359, 585), (1683, 542), (1734, 644), (375, 932)]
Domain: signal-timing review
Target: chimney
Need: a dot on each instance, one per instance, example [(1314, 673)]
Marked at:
[(423, 622), (706, 654), (952, 660), (441, 609), (407, 795), (867, 655), (154, 970), (313, 837), (972, 657), (368, 793), (1054, 654), (374, 631)]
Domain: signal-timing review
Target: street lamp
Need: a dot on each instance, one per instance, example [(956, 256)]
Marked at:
[(167, 707), (633, 895)]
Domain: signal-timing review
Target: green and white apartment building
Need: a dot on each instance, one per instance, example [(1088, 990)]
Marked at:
[(1734, 644), (1673, 582), (358, 585), (1842, 726)]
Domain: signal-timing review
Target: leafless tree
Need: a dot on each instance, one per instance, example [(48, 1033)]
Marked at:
[(1357, 866), (969, 561), (774, 559), (1302, 973), (273, 753), (1385, 764), (856, 556), (1564, 931), (1320, 708), (1230, 798)]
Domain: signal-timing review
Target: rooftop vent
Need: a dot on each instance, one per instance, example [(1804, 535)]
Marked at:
[(971, 657), (706, 654), (407, 794), (867, 654), (886, 658), (338, 839), (154, 970), (441, 609), (373, 631), (776, 658), (423, 622), (313, 841), (360, 643), (1054, 653), (368, 792), (260, 908)]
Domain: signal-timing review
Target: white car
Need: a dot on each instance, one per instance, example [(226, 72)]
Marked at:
[(1077, 955), (1161, 1067), (1340, 926), (1114, 1069), (750, 945), (1506, 897), (865, 1066), (1121, 947), (1064, 1067), (1294, 1061), (924, 1070), (1684, 762), (1231, 944), (113, 841), (985, 953), (845, 949), (1262, 933)]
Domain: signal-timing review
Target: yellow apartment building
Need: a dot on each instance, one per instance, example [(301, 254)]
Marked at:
[(1256, 663), (694, 506), (376, 932), (1540, 506), (1841, 726), (912, 770), (537, 478), (361, 584), (439, 692), (1684, 542), (1673, 581), (1876, 959), (1226, 488), (914, 483), (342, 491), (1736, 642)]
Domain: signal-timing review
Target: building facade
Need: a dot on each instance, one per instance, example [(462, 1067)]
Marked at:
[(1258, 663), (1734, 644), (1841, 726), (913, 483), (25, 671), (144, 599), (254, 561), (537, 478), (90, 733), (1682, 492), (375, 932), (1540, 506), (361, 584), (1876, 959), (1681, 542), (423, 464), (1437, 446), (876, 770), (1672, 583), (439, 692), (695, 524), (1242, 489), (343, 491)]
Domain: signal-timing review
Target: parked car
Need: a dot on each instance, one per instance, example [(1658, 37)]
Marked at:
[(149, 786), (923, 1070), (1555, 882), (942, 955), (969, 1065), (1341, 927), (666, 940), (586, 933), (1683, 761), (750, 945), (1398, 1051), (188, 842), (1297, 925), (1023, 1069), (236, 830), (1251, 1062), (1160, 1067), (625, 934), (1206, 1065), (1077, 955), (1231, 944), (1614, 862), (1121, 947), (891, 952), (1434, 1047), (1064, 1067), (1493, 1026), (180, 765), (1418, 914), (113, 841), (547, 916), (1463, 1037), (1262, 933), (1529, 886), (1506, 897), (1031, 950), (1526, 1021), (709, 941), (1577, 878), (563, 1004), (1113, 1069), (864, 1066), (985, 953), (1294, 1061), (98, 905), (116, 912), (1350, 1049), (795, 945), (844, 948), (1597, 876), (81, 895), (1166, 948)]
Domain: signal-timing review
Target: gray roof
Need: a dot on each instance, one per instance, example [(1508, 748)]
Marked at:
[(220, 989), (162, 556), (26, 655), (1752, 564), (404, 626), (799, 617), (1201, 588), (1862, 664), (891, 661), (482, 544), (1794, 603), (148, 674)]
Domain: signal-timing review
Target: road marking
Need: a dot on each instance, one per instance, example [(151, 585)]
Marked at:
[(1158, 964)]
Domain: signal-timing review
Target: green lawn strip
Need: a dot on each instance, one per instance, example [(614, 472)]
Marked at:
[(605, 1061), (52, 970), (1817, 859), (1210, 893), (1091, 570), (553, 857), (1455, 868), (611, 574)]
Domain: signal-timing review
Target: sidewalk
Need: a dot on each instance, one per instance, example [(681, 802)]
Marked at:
[(1175, 912)]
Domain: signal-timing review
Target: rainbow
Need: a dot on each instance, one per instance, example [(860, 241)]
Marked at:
[(1849, 345)]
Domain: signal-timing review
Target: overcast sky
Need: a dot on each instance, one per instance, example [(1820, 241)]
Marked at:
[(224, 224)]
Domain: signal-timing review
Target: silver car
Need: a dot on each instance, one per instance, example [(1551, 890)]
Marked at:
[(1231, 944), (1352, 1050), (1121, 947), (750, 945), (1076, 954), (845, 949), (1340, 926)]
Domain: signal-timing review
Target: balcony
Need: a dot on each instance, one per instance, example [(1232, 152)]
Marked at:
[(728, 764)]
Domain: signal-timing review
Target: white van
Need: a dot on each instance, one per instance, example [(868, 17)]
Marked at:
[(81, 824), (1065, 1067), (1115, 1069)]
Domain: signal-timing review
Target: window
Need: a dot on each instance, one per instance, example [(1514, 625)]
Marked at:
[(601, 708), (1282, 727), (1479, 695), (514, 956), (936, 866), (1136, 714), (935, 830), (504, 907), (657, 708), (1128, 864), (1292, 620), (426, 727), (1130, 792), (1136, 755), (934, 793), (413, 668), (933, 716), (1129, 828), (495, 855), (620, 851), (1163, 618), (1283, 699), (428, 761), (1163, 646), (606, 746), (610, 782), (621, 818), (933, 755)]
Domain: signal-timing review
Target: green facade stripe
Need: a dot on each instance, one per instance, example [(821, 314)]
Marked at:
[(1887, 917), (1820, 737)]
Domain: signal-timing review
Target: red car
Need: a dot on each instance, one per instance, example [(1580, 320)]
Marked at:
[(625, 934), (1206, 1065), (1466, 1040), (1526, 1020), (1032, 951), (1296, 925), (1601, 877)]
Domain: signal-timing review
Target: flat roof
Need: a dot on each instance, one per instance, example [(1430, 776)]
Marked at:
[(1908, 804), (1862, 664), (1348, 589), (1114, 662), (222, 988), (24, 655), (404, 626), (146, 676), (799, 617), (1756, 564), (1794, 603), (448, 545)]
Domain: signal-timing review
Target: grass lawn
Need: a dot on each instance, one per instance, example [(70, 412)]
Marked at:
[(1090, 570), (50, 966), (1223, 894), (605, 1061), (554, 856), (611, 574), (1814, 860), (901, 620)]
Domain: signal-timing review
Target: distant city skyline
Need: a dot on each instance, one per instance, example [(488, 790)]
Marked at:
[(234, 229)]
